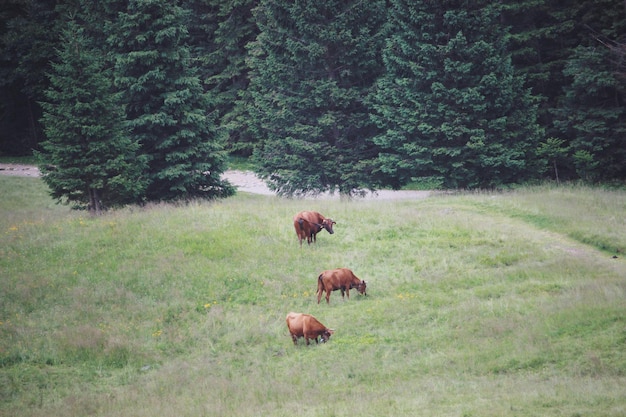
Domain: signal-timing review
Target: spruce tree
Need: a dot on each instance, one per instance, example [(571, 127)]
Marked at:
[(561, 48), (219, 32), (543, 34), (29, 33), (593, 115), (168, 111), (312, 66), (88, 159), (450, 104)]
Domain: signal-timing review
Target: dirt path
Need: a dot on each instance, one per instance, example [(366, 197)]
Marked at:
[(245, 181), (19, 170)]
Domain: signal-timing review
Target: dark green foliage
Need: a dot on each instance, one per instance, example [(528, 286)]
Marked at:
[(542, 35), (168, 112), (312, 67), (89, 159), (29, 32), (450, 104), (294, 83), (558, 46), (554, 152), (219, 32), (593, 115)]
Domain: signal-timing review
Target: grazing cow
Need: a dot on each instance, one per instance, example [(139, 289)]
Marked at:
[(307, 326), (309, 223), (338, 279)]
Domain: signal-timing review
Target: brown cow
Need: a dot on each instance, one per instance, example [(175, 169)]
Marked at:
[(309, 223), (307, 326), (338, 279)]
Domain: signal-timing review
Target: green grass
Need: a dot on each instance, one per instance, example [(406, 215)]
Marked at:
[(478, 305)]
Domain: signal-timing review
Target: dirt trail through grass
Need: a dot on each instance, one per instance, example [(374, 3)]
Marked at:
[(245, 181), (19, 170), (560, 241)]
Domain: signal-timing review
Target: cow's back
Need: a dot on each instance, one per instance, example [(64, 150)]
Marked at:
[(336, 278), (294, 323), (313, 217), (311, 325), (346, 277)]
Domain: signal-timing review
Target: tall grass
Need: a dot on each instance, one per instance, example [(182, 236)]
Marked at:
[(593, 216), (474, 308)]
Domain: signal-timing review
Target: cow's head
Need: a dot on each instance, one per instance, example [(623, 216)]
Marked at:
[(362, 288), (326, 335), (328, 225)]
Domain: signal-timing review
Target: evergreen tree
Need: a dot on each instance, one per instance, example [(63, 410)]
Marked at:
[(220, 31), (166, 107), (557, 44), (450, 104), (543, 34), (312, 66), (29, 34), (88, 159), (593, 115)]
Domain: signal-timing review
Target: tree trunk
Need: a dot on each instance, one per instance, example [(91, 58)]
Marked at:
[(95, 209), (556, 172)]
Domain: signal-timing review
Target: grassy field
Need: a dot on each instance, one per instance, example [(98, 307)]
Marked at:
[(478, 305)]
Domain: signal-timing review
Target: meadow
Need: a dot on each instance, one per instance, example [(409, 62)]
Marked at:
[(479, 304)]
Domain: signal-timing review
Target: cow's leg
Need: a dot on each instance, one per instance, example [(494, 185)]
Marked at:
[(345, 291), (295, 339), (328, 296)]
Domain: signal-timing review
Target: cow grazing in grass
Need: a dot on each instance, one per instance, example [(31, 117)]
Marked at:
[(309, 223), (338, 279), (307, 326)]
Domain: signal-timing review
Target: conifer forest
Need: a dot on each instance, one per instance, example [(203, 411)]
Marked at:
[(126, 101)]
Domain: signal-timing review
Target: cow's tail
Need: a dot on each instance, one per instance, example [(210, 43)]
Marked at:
[(301, 223), (320, 286)]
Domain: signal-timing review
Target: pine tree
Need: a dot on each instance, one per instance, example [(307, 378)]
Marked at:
[(543, 33), (29, 32), (312, 66), (593, 115), (166, 107), (560, 46), (220, 31), (451, 107), (88, 159)]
